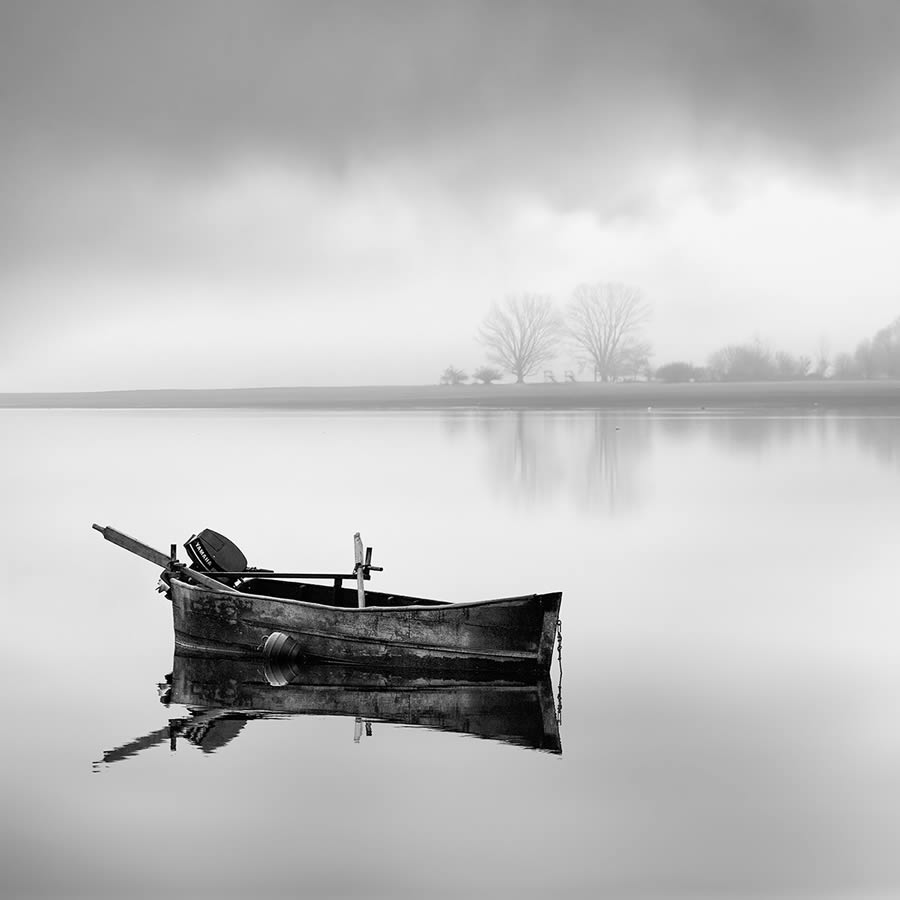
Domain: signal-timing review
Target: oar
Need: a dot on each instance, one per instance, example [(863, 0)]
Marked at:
[(160, 559)]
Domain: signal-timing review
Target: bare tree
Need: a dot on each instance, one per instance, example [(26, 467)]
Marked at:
[(846, 366), (789, 366), (604, 321), (521, 334), (452, 375), (743, 362)]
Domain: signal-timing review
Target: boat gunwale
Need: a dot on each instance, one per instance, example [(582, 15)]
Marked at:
[(230, 593)]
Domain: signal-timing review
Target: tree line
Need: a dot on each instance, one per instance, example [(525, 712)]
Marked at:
[(602, 329), (875, 357)]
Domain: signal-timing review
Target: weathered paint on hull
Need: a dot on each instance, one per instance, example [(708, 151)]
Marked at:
[(511, 634), (521, 713)]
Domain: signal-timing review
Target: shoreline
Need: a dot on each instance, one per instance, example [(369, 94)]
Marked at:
[(813, 394)]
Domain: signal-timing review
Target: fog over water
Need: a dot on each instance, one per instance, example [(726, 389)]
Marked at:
[(208, 195), (729, 658)]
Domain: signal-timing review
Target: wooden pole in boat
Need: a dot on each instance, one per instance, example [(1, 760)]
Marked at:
[(360, 569)]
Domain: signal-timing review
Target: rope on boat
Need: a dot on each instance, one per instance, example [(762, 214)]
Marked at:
[(559, 660)]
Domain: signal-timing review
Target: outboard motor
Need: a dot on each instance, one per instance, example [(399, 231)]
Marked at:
[(212, 552)]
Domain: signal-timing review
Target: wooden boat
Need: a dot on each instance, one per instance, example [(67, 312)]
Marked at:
[(232, 613), (396, 631), (223, 694)]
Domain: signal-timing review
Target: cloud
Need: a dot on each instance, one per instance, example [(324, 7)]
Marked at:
[(545, 96), (385, 171)]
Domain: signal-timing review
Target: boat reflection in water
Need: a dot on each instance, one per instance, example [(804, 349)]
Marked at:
[(223, 694)]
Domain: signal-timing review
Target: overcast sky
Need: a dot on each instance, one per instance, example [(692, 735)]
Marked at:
[(233, 194)]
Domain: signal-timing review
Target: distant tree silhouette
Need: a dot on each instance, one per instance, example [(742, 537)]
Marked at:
[(880, 356), (674, 372), (452, 375), (788, 366), (846, 366), (742, 362), (604, 321), (754, 361), (521, 334), (487, 374)]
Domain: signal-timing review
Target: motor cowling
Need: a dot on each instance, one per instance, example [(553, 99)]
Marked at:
[(212, 552)]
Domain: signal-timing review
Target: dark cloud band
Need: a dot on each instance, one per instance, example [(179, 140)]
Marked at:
[(187, 83)]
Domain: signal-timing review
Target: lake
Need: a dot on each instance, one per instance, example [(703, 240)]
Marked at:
[(730, 668)]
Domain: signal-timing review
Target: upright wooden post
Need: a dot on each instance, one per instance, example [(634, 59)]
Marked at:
[(360, 569)]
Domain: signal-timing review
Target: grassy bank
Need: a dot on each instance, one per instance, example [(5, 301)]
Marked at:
[(783, 395)]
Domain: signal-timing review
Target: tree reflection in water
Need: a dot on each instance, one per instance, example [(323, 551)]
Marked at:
[(757, 433), (594, 459), (591, 458), (616, 449)]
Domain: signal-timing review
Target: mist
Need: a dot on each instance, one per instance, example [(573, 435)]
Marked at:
[(214, 195)]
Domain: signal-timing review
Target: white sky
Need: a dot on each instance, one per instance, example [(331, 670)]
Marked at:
[(224, 204)]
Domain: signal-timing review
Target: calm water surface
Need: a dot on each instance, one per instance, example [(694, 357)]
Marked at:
[(731, 668)]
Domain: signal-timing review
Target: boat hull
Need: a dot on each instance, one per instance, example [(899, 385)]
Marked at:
[(510, 635)]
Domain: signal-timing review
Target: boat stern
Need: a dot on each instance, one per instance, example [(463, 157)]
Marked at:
[(550, 604)]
